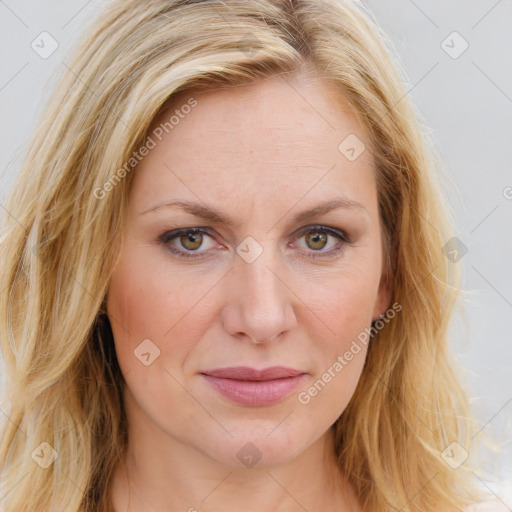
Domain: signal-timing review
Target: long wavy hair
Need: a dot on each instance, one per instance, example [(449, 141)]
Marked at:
[(62, 234)]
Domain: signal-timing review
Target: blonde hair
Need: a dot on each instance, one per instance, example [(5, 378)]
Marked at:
[(60, 242)]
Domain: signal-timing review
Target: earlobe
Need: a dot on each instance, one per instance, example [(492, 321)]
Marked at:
[(383, 302)]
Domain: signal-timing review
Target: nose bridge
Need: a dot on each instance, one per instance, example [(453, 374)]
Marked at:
[(260, 303)]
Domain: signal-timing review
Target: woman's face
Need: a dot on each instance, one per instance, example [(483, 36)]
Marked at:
[(271, 288)]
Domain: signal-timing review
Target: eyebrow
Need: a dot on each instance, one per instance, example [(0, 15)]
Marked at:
[(219, 217)]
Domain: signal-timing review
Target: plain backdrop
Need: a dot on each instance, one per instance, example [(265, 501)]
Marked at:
[(457, 58)]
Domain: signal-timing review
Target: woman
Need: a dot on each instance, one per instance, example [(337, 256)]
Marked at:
[(224, 278)]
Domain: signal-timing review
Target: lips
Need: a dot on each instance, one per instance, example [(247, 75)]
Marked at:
[(252, 387), (247, 373)]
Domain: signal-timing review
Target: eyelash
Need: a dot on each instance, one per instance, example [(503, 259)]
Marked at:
[(168, 236)]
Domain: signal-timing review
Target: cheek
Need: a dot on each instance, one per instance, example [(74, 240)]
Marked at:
[(343, 301), (343, 308), (350, 310), (134, 304), (154, 332), (142, 305), (149, 299), (347, 314)]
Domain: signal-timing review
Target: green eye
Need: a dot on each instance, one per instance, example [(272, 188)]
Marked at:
[(192, 239), (316, 239)]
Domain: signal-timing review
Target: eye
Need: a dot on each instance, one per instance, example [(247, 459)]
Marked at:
[(185, 243), (190, 239), (316, 238)]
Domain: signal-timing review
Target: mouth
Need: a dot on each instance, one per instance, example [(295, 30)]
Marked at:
[(252, 387)]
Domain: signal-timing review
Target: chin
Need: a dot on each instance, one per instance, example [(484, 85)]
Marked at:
[(263, 444)]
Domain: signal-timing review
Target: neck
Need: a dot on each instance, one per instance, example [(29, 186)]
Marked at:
[(160, 473)]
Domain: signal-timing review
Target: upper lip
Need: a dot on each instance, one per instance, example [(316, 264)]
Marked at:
[(247, 373)]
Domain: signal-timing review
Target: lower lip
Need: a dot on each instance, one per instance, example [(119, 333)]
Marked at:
[(255, 393)]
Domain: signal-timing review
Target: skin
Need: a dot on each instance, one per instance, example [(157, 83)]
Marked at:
[(261, 153)]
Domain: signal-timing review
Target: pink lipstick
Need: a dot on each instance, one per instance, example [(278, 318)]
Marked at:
[(251, 387)]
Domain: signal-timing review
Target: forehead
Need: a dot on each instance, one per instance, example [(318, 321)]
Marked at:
[(274, 140), (267, 116)]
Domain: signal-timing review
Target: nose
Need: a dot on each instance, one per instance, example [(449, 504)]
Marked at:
[(260, 303)]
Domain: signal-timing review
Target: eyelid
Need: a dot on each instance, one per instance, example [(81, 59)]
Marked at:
[(337, 251), (339, 234), (322, 227), (173, 234)]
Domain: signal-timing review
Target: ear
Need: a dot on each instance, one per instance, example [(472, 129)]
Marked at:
[(384, 294)]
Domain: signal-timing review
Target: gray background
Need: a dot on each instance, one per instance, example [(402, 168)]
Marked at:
[(466, 102)]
